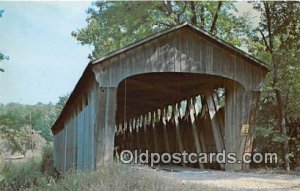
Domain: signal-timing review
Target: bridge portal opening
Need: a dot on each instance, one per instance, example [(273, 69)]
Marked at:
[(171, 113)]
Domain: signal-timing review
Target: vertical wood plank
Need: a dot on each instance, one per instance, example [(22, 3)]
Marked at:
[(215, 125), (154, 116), (107, 117), (178, 133), (194, 129), (247, 140), (233, 121), (166, 137), (146, 142)]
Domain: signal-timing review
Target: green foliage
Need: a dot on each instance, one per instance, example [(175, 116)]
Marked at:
[(43, 116), (14, 130), (276, 41), (2, 57), (47, 160), (18, 119), (107, 31), (62, 101), (21, 124), (20, 176), (24, 175)]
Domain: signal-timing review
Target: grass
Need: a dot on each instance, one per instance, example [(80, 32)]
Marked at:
[(21, 176), (29, 176), (39, 174), (118, 177), (33, 176)]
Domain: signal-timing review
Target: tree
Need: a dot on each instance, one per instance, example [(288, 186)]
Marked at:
[(14, 130), (277, 43), (107, 31), (61, 102), (43, 117)]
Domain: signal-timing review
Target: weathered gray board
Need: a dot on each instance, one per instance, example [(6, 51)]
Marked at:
[(74, 144), (100, 100)]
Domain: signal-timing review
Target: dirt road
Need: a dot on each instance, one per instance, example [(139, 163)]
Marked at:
[(232, 180)]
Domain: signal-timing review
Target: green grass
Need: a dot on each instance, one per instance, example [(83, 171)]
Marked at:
[(21, 176), (39, 174), (115, 177), (118, 177)]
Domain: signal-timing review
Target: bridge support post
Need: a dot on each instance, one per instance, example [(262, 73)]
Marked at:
[(166, 137), (131, 134), (194, 128), (216, 126), (153, 122), (137, 139), (240, 113), (178, 131), (145, 135), (105, 130)]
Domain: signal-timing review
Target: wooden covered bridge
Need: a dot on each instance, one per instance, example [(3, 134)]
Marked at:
[(178, 90)]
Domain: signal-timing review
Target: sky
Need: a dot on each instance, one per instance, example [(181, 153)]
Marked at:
[(45, 60)]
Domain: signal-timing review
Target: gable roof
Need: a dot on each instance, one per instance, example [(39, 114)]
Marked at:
[(213, 39), (217, 41)]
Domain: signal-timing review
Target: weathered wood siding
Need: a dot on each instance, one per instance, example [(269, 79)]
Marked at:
[(85, 131), (74, 145), (180, 51)]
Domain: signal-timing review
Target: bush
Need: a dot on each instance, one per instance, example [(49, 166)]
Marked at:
[(1, 169), (20, 176), (47, 167), (34, 172)]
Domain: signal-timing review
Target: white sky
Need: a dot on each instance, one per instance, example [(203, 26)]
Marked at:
[(45, 60)]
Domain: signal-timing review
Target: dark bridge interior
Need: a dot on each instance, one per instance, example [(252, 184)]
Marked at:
[(170, 112)]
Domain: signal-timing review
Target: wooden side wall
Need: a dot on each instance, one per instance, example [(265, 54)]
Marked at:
[(74, 145)]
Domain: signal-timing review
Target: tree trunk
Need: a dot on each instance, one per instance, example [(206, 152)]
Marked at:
[(193, 10), (202, 18), (282, 124), (214, 22), (280, 104)]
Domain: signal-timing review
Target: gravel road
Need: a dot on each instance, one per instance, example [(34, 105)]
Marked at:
[(232, 180)]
